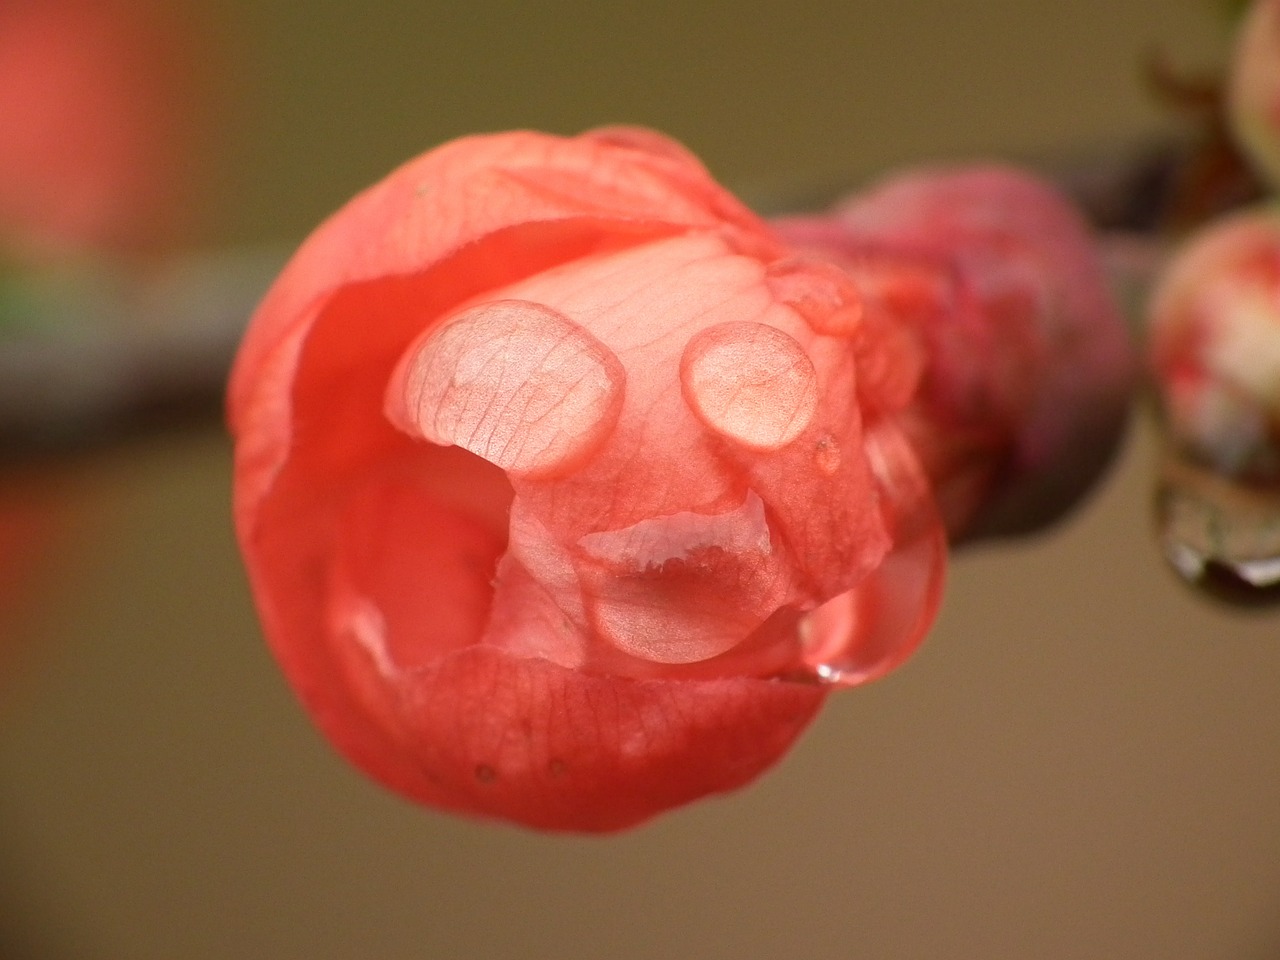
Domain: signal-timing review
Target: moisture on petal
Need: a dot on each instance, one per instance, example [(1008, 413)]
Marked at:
[(511, 381), (751, 383), (679, 588), (866, 632)]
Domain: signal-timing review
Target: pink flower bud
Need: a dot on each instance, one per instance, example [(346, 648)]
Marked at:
[(1214, 322), (1028, 370), (1253, 91)]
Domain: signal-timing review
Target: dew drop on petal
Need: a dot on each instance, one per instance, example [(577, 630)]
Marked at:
[(823, 294), (664, 626), (514, 382), (677, 588), (866, 632), (751, 383)]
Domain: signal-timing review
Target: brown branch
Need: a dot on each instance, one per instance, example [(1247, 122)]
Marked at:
[(70, 383)]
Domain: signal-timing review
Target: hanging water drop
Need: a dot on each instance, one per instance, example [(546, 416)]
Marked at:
[(1219, 534)]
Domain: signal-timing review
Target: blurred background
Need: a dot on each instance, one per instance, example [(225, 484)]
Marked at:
[(1081, 762)]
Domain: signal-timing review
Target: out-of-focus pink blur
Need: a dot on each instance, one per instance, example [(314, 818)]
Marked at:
[(99, 106)]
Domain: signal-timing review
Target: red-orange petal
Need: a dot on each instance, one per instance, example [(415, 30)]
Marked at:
[(372, 553)]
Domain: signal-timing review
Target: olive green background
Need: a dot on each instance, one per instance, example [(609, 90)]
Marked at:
[(1082, 761)]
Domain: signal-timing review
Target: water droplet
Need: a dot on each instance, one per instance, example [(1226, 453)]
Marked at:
[(681, 588), (864, 633), (751, 383), (828, 674), (514, 382), (1218, 534)]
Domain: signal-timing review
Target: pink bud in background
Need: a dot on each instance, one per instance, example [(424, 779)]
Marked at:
[(1214, 322), (1029, 370), (1253, 92)]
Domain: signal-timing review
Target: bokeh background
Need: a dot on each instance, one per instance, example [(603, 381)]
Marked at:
[(1081, 762)]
